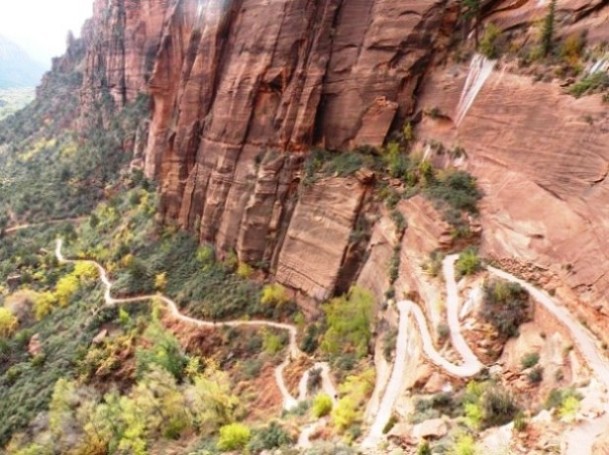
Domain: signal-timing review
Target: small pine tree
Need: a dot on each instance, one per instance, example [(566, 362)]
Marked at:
[(547, 31)]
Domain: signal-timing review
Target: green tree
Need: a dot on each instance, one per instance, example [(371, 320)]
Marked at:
[(8, 323), (424, 448), (234, 436), (61, 407), (349, 320), (468, 263), (164, 351), (214, 404), (547, 30), (274, 295), (322, 405), (66, 288), (162, 404)]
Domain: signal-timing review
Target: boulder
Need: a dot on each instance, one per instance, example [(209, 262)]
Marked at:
[(430, 429)]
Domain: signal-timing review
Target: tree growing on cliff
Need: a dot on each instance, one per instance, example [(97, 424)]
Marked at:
[(547, 31)]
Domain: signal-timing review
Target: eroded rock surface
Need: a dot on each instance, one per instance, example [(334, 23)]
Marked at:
[(243, 89)]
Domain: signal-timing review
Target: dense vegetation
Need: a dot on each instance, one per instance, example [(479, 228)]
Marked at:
[(401, 174), (506, 306), (126, 383)]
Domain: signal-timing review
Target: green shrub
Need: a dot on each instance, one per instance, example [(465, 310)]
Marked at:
[(349, 319), (454, 193), (389, 342), (399, 221), (456, 189), (433, 266), (244, 270), (465, 445), (390, 424), (424, 448), (234, 436), (345, 414), (535, 375), (8, 323), (322, 405), (505, 306), (468, 263), (557, 397), (547, 30), (270, 437), (310, 340), (274, 295), (593, 83), (394, 265), (474, 415), (272, 343), (165, 351), (520, 422), (488, 44), (498, 406), (314, 381), (529, 360), (569, 408), (488, 405), (572, 48)]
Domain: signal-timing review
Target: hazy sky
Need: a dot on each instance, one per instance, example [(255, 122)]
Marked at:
[(41, 26)]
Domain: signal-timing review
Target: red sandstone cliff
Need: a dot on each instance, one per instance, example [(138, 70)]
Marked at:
[(242, 89)]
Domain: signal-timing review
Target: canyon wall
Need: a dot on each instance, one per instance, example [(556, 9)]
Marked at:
[(241, 94), (243, 89)]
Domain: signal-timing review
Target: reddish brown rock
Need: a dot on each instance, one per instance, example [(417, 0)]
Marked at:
[(122, 39), (541, 158), (318, 235), (240, 93), (243, 89)]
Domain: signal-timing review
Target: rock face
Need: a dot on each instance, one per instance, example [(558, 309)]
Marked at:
[(259, 83), (122, 39), (242, 89), (542, 159)]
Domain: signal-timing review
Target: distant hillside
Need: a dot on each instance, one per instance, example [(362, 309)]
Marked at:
[(17, 68)]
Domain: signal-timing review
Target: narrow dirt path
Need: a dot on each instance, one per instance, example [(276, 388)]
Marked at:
[(580, 439), (470, 367), (289, 402), (23, 227)]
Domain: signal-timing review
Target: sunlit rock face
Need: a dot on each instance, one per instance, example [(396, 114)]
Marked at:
[(240, 95), (241, 91)]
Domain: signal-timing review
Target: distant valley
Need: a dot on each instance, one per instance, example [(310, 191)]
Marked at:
[(17, 68)]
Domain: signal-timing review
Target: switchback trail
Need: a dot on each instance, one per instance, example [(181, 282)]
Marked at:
[(289, 402), (584, 342), (22, 227), (470, 367), (580, 439)]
